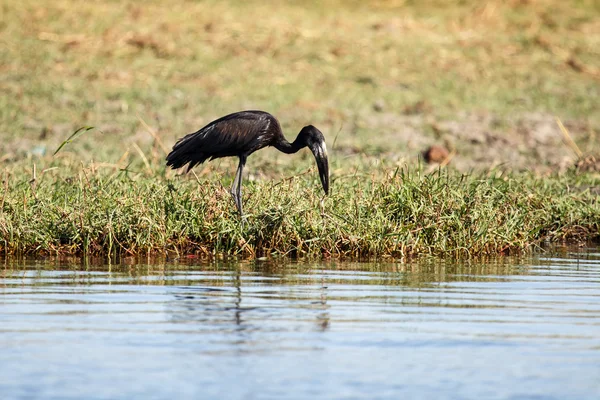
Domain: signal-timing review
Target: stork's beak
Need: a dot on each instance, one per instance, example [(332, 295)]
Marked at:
[(320, 152)]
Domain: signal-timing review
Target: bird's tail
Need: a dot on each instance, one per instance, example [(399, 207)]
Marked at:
[(185, 151)]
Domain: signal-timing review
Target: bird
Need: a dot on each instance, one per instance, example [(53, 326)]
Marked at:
[(241, 134)]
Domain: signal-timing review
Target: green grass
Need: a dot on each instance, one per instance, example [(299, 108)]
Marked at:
[(400, 213), (382, 80)]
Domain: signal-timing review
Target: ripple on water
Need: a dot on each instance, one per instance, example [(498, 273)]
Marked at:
[(526, 328)]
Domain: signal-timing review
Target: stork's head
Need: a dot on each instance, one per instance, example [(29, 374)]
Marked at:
[(315, 141)]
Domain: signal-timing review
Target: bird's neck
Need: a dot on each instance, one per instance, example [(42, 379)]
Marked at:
[(287, 147)]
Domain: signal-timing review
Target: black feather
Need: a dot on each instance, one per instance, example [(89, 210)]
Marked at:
[(231, 135), (241, 134)]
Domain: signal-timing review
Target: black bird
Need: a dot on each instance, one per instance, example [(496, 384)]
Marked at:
[(241, 134)]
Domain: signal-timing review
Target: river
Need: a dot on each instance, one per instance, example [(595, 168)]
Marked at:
[(506, 328)]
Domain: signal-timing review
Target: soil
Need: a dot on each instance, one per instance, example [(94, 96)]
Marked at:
[(532, 141), (467, 142)]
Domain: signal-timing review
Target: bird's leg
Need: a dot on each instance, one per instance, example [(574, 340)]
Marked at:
[(236, 188)]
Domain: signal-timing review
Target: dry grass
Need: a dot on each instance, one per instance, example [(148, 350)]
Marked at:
[(382, 79), (68, 63)]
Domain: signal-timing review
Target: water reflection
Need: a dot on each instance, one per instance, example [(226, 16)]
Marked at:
[(503, 328), (244, 304)]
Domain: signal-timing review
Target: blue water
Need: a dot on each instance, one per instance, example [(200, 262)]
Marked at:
[(524, 328)]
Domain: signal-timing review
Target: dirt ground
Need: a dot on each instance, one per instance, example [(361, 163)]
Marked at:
[(473, 141), (476, 141)]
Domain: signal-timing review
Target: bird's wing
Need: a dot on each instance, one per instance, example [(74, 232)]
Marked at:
[(232, 135)]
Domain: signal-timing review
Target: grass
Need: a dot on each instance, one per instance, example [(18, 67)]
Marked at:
[(382, 80), (66, 64), (400, 213)]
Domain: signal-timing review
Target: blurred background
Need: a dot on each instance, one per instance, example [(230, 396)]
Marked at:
[(384, 80)]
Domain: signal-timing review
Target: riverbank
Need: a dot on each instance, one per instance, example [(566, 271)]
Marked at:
[(508, 89), (398, 212)]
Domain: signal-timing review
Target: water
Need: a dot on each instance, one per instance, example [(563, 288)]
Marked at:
[(507, 329)]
